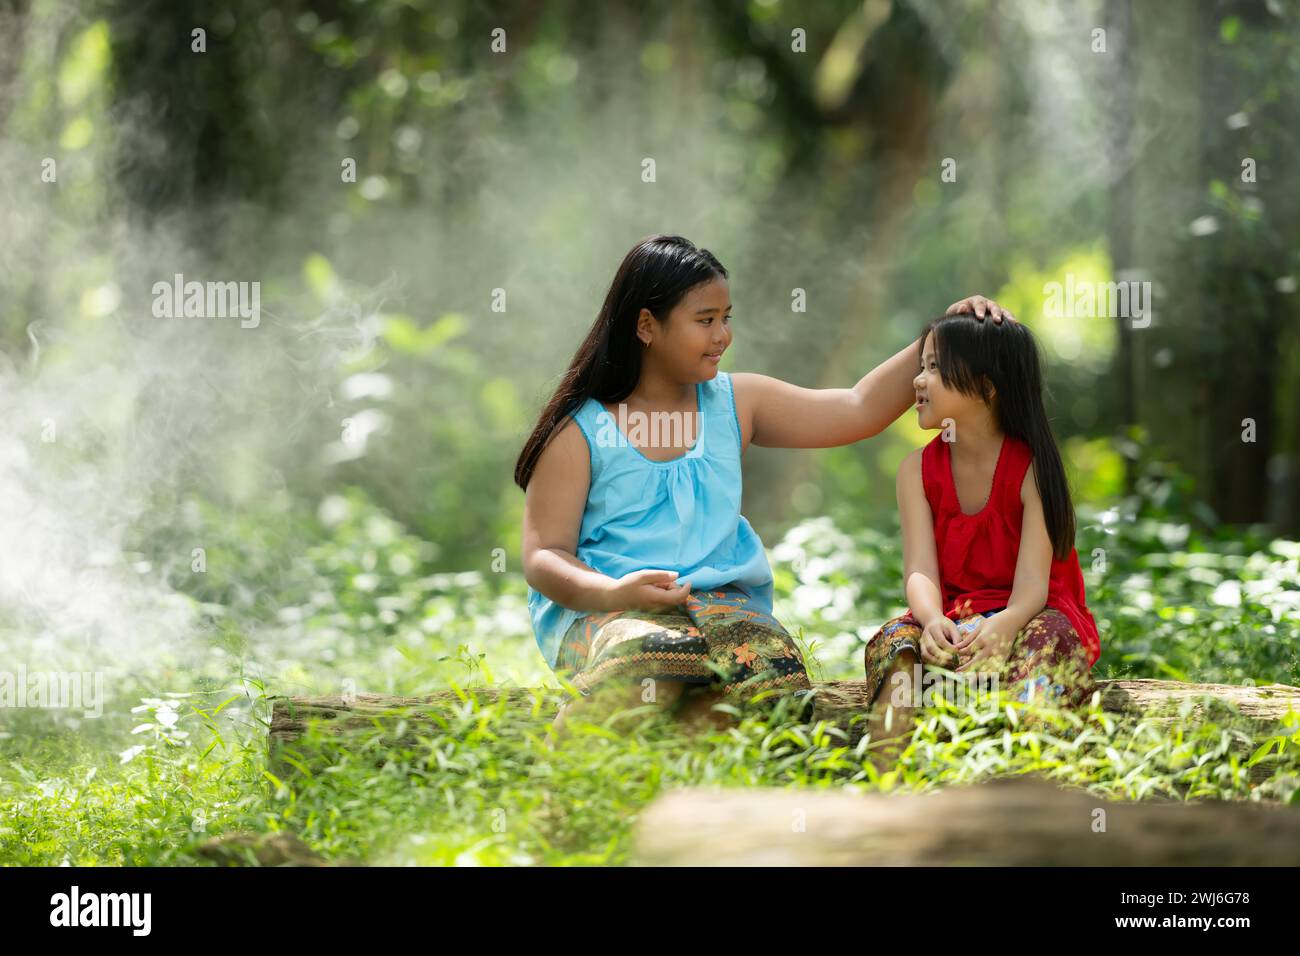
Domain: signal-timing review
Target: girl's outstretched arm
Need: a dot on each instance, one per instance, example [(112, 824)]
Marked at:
[(553, 505), (776, 414)]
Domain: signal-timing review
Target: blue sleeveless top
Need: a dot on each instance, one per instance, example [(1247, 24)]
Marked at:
[(678, 515)]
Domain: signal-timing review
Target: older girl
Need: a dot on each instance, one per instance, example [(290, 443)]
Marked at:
[(643, 574)]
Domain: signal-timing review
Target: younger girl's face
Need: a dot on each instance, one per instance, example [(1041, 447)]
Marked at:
[(690, 343), (935, 401)]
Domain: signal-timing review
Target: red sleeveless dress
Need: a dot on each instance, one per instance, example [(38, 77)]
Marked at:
[(977, 553)]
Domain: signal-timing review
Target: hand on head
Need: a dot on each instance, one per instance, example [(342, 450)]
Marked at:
[(979, 305)]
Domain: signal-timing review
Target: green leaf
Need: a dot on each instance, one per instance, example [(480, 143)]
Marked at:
[(222, 705), (321, 278), (450, 326), (1262, 752), (403, 335)]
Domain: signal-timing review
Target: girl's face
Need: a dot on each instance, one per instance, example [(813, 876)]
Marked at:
[(689, 344), (935, 401)]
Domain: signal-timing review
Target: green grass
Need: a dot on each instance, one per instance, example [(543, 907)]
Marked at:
[(359, 606), (482, 789)]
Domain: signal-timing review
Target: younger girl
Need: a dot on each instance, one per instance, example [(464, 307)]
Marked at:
[(643, 575), (990, 570)]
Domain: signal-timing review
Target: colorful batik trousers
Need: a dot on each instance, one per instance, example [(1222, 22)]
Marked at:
[(1047, 660), (714, 639)]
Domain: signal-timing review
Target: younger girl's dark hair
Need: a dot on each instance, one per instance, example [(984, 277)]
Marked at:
[(657, 272), (976, 355)]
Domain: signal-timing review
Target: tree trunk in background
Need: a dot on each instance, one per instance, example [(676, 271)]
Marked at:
[(1245, 365), (1208, 365), (193, 130), (13, 30), (21, 325), (893, 101), (1119, 221), (1236, 352), (1171, 397)]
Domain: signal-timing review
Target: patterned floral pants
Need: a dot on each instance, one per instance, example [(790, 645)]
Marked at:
[(713, 639), (1047, 659)]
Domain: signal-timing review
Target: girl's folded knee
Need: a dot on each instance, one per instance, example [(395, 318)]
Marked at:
[(905, 655)]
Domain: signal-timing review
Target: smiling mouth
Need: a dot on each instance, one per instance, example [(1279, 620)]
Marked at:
[(714, 355)]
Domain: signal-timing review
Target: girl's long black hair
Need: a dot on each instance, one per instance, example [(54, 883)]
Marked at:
[(973, 356), (654, 275)]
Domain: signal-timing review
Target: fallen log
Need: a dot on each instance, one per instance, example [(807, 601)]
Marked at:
[(264, 849), (1006, 822), (840, 703)]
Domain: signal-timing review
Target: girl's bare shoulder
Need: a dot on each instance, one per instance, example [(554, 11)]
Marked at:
[(745, 389), (909, 470), (567, 451), (743, 385)]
